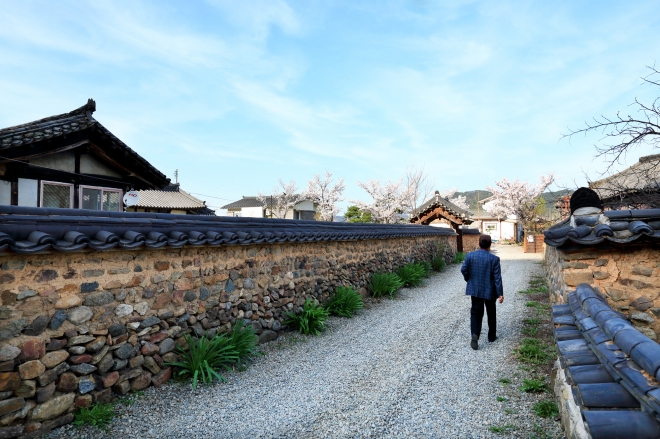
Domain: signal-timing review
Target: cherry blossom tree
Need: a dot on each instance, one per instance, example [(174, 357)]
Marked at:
[(418, 187), (325, 195), (518, 198), (389, 200), (458, 201), (283, 198)]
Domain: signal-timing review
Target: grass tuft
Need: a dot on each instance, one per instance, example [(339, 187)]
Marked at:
[(534, 385), (245, 342), (546, 409), (532, 321), (502, 429), (345, 302), (385, 284), (310, 321), (533, 351), (98, 415), (501, 399), (439, 263), (412, 275), (459, 257)]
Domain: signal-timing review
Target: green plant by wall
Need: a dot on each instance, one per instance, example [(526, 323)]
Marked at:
[(439, 263), (533, 385), (245, 341), (426, 266), (412, 275), (385, 284), (546, 409), (345, 302), (98, 415), (459, 257), (533, 351), (310, 321), (205, 357)]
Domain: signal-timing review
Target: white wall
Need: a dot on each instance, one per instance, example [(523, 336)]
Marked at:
[(305, 205), (508, 230), (28, 192), (252, 212), (5, 193), (64, 161), (90, 165)]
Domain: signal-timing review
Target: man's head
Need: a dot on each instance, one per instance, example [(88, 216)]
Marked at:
[(485, 241)]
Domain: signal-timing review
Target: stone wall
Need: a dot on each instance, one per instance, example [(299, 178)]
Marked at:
[(81, 328), (470, 243), (627, 275)]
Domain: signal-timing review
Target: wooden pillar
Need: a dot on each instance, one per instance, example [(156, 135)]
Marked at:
[(459, 238)]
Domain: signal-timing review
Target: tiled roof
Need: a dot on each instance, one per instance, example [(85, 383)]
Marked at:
[(168, 200), (642, 175), (33, 229), (613, 368), (625, 226), (77, 120), (438, 201), (251, 202)]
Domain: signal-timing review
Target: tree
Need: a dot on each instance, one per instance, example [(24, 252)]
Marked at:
[(355, 215), (389, 200), (518, 198), (623, 133), (459, 201), (325, 195), (283, 198), (418, 188)]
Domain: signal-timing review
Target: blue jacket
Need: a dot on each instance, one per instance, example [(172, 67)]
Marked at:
[(481, 270)]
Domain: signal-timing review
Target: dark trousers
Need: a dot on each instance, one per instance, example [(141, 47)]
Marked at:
[(477, 316)]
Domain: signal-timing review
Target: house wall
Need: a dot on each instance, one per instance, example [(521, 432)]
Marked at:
[(90, 165), (252, 212), (64, 161), (28, 192), (627, 275), (81, 328), (5, 193)]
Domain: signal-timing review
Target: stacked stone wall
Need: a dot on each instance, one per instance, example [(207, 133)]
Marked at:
[(78, 329), (470, 243), (627, 275)]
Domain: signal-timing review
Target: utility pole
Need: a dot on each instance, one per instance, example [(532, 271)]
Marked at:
[(176, 176)]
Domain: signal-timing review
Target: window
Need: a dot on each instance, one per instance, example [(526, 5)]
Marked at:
[(100, 198), (55, 194)]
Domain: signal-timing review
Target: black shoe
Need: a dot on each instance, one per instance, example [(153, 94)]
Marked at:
[(474, 343), (491, 340)]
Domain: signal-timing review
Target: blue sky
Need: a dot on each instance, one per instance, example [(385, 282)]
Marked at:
[(236, 95)]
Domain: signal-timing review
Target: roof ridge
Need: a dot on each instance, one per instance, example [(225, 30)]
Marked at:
[(90, 107)]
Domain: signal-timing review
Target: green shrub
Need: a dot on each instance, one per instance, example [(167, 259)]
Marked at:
[(533, 321), (459, 257), (98, 415), (205, 357), (345, 302), (533, 351), (385, 284), (426, 266), (411, 275), (530, 331), (533, 385), (546, 409), (439, 263), (245, 342), (310, 321)]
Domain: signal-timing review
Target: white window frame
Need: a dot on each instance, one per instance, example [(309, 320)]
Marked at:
[(102, 189), (55, 183)]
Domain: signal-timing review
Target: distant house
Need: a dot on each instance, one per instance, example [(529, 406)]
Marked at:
[(253, 208), (71, 161), (171, 199), (499, 229), (440, 212), (636, 187)]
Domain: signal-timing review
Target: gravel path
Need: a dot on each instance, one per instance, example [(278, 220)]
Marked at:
[(402, 368)]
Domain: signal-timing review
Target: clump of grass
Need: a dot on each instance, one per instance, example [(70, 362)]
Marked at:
[(502, 429), (345, 302), (533, 385), (504, 381), (385, 284), (533, 351), (459, 257), (532, 321), (546, 409), (245, 341), (530, 331), (501, 399), (426, 266), (438, 263), (532, 304), (412, 275), (98, 415), (310, 321), (205, 357)]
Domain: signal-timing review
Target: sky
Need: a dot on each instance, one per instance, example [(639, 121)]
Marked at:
[(237, 95)]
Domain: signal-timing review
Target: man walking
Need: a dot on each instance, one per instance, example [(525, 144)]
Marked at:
[(481, 270)]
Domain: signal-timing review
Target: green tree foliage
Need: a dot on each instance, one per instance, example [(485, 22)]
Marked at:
[(355, 215)]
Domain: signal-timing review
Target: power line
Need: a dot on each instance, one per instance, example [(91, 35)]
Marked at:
[(210, 196)]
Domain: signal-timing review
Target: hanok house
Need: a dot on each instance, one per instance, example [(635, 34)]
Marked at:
[(70, 161), (251, 207), (441, 212), (636, 187), (171, 199)]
